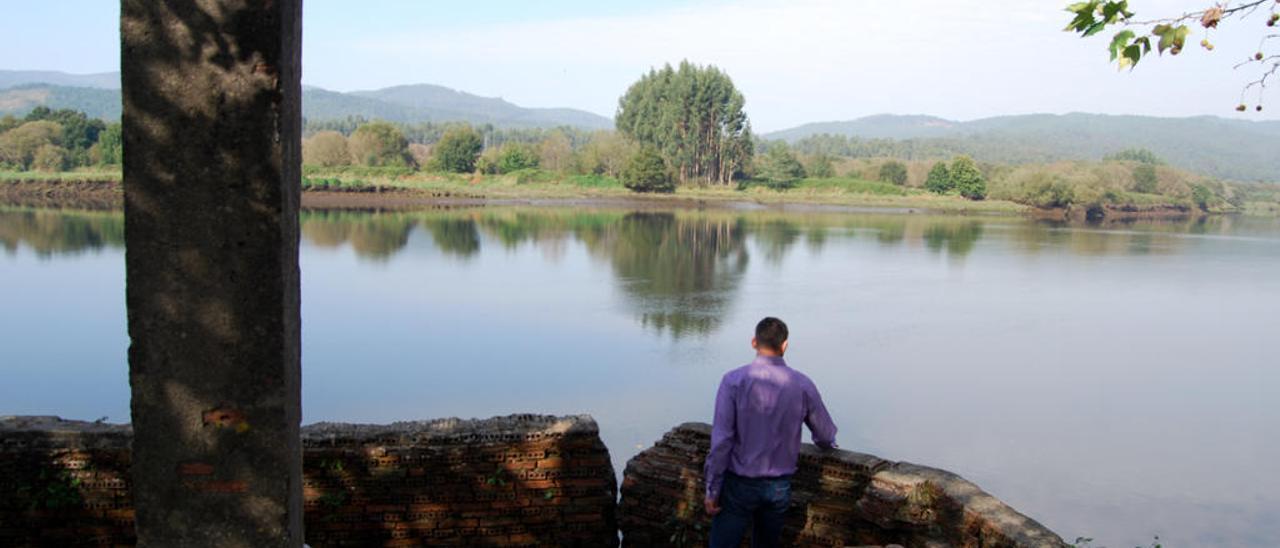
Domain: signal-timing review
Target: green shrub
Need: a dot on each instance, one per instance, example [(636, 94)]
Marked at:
[(1046, 191), (49, 158), (378, 144), (820, 167), (1202, 197), (894, 172), (515, 157), (778, 168), (966, 178), (1144, 178), (646, 172), (939, 179), (457, 150)]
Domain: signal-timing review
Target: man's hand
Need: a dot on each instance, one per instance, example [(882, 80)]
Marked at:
[(712, 506)]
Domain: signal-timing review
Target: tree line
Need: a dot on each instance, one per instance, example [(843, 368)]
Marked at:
[(57, 140), (462, 148), (676, 125)]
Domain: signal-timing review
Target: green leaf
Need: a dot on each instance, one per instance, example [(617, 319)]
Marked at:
[(1081, 22), (1112, 9), (1119, 42), (1084, 16), (1145, 42), (1094, 29), (1131, 56), (1171, 37)]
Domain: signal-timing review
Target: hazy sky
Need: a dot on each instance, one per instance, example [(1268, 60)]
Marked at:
[(795, 60)]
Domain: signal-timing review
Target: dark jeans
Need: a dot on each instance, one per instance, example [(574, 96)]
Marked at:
[(760, 503)]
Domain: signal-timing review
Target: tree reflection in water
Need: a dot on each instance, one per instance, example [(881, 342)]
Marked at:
[(678, 271), (371, 235), (957, 238), (51, 232)]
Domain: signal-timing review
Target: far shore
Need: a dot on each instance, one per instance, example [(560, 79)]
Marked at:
[(102, 190)]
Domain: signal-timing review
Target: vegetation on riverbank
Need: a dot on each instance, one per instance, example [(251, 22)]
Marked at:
[(722, 161), (1015, 189), (535, 184)]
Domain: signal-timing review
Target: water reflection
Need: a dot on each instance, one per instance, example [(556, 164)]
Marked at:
[(958, 239), (56, 232), (372, 236), (677, 271), (1056, 365)]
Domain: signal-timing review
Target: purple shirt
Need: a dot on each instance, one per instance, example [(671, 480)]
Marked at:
[(756, 431)]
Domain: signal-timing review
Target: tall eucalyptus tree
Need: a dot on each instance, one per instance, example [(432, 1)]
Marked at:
[(692, 115)]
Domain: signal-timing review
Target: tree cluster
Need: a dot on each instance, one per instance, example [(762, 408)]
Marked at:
[(692, 116), (778, 168), (56, 140), (462, 148), (961, 176)]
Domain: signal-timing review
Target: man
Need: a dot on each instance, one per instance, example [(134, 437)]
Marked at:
[(755, 441)]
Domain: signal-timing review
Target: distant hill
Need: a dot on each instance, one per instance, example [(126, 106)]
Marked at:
[(96, 103), (102, 80), (98, 96), (1232, 149), (436, 103), (430, 103), (880, 126)]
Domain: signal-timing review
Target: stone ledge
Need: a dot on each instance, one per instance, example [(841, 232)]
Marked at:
[(455, 430), (839, 498)]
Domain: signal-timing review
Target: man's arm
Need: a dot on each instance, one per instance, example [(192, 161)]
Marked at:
[(818, 420), (723, 436)]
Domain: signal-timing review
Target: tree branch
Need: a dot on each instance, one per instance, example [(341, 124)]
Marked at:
[(1226, 12)]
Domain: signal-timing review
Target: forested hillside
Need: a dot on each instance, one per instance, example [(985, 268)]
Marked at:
[(96, 103), (1224, 148), (23, 91), (430, 103), (102, 80), (1232, 149)]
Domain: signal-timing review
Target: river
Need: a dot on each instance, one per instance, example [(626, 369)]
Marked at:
[(1114, 382)]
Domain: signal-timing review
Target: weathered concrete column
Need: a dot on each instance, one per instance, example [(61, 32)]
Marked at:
[(212, 133)]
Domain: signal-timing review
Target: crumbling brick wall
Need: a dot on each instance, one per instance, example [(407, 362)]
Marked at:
[(64, 483), (511, 481), (508, 481), (839, 498)]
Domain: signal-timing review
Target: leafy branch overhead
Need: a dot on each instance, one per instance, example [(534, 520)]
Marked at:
[(1169, 34)]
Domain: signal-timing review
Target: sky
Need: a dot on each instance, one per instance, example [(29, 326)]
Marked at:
[(795, 61)]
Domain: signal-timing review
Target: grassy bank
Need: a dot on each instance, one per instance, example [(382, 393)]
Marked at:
[(537, 184), (77, 175), (848, 191)]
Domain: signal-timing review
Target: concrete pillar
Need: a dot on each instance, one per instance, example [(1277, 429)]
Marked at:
[(212, 97)]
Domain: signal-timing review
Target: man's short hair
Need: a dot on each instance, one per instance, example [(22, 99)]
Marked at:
[(771, 332)]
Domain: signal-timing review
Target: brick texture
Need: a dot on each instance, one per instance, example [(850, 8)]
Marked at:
[(839, 498), (524, 480)]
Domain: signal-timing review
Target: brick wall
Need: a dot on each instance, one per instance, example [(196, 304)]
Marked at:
[(519, 480), (839, 498), (509, 481), (64, 483)]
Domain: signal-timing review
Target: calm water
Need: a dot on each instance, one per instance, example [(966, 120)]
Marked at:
[(1111, 382)]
